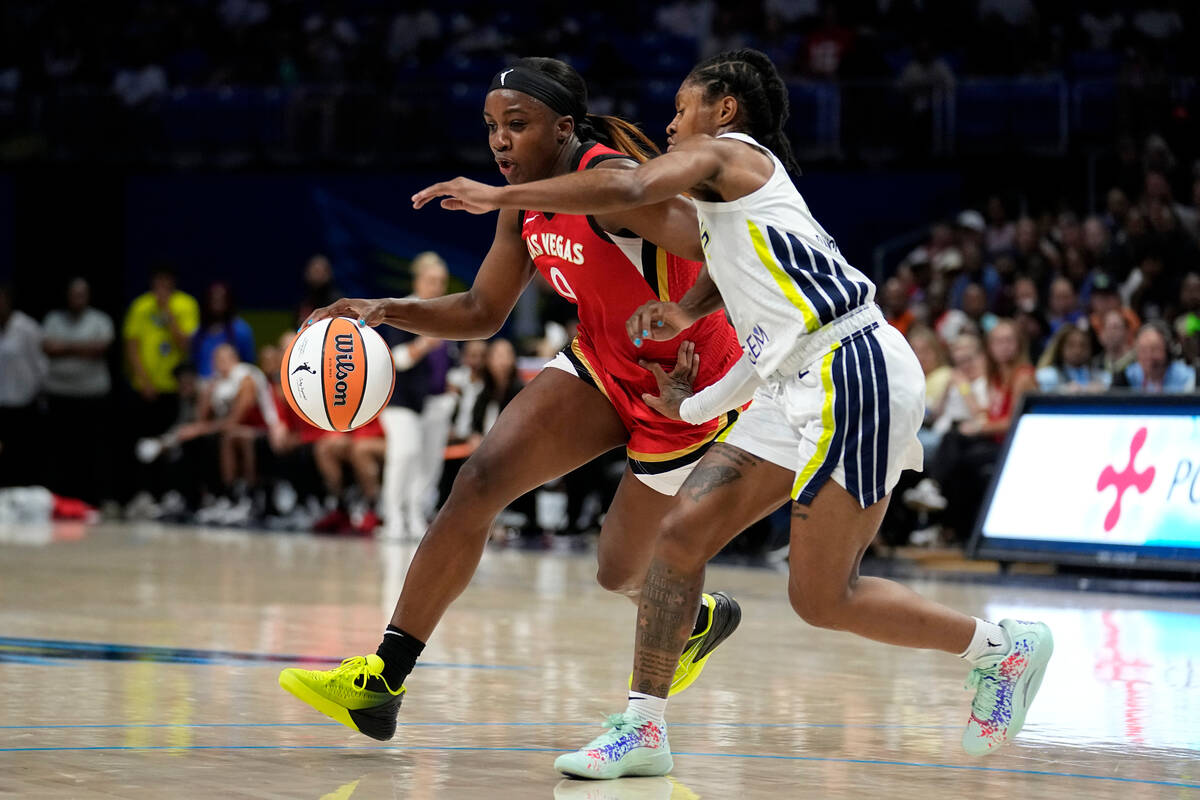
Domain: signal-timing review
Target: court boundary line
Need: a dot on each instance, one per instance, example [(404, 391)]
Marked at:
[(146, 725), (16, 647), (466, 748)]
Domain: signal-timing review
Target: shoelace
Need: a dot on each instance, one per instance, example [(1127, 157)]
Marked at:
[(616, 721), (361, 671), (984, 704)]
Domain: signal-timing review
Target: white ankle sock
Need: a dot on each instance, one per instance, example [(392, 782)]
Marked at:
[(648, 707), (989, 640)]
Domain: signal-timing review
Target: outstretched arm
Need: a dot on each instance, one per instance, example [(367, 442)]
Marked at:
[(474, 314), (593, 191)]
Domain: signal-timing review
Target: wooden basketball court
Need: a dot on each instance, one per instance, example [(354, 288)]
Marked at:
[(142, 662)]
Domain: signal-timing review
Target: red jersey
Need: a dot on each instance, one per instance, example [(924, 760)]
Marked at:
[(608, 276)]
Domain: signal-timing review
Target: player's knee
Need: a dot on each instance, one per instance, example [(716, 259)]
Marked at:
[(678, 544), (819, 609), (480, 486), (620, 579)]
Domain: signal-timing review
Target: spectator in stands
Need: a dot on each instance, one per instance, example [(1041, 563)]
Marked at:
[(237, 406), (827, 46), (1116, 205), (894, 301), (1067, 367), (175, 468), (363, 451), (1189, 216), (466, 382), (1131, 244), (158, 329), (1116, 352), (938, 374), (287, 455), (961, 467), (1031, 252), (1025, 294), (1063, 305), (1153, 370), (1151, 291), (975, 270), (500, 385), (77, 341), (22, 370), (319, 288), (1097, 245), (965, 398), (1001, 235), (948, 322), (421, 366), (1078, 272), (975, 306), (1187, 322), (1105, 298), (220, 324)]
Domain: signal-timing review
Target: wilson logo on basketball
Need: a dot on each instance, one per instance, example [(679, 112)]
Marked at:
[(343, 365)]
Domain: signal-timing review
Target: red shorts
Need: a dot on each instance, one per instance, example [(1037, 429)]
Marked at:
[(657, 444)]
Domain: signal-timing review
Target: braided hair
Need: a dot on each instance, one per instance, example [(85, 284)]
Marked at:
[(749, 76), (608, 130)]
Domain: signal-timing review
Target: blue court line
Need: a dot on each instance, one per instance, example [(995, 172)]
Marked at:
[(138, 725), (465, 748), (12, 647)]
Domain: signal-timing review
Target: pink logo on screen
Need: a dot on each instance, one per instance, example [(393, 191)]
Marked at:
[(1125, 479)]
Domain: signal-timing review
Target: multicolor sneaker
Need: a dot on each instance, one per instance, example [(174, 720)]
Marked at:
[(1005, 686), (354, 694), (630, 746), (724, 615)]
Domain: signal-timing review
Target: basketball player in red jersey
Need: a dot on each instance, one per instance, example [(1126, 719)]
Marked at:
[(586, 402)]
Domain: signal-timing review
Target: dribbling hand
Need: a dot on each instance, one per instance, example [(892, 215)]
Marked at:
[(367, 312), (657, 321), (461, 194), (676, 386)]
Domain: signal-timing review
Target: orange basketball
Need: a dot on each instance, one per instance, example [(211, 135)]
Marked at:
[(338, 375)]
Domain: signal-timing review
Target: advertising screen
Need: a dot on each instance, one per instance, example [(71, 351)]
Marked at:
[(1112, 480)]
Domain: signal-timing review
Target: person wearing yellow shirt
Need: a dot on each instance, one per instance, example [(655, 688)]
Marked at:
[(157, 331)]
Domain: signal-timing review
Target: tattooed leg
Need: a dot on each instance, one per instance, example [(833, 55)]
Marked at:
[(715, 504), (666, 615)]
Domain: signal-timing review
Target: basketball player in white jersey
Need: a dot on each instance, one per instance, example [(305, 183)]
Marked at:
[(838, 399)]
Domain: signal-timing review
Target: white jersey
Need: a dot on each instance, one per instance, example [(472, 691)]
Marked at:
[(780, 274)]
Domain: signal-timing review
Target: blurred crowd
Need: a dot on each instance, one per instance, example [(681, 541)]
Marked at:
[(141, 49), (1004, 299), (264, 78), (1001, 301), (196, 429)]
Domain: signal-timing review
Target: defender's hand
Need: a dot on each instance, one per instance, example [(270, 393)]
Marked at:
[(676, 386)]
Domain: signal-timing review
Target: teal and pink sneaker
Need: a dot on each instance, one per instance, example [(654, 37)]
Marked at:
[(630, 746), (1005, 686)]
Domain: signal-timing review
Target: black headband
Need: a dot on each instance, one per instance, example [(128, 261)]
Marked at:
[(541, 87)]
